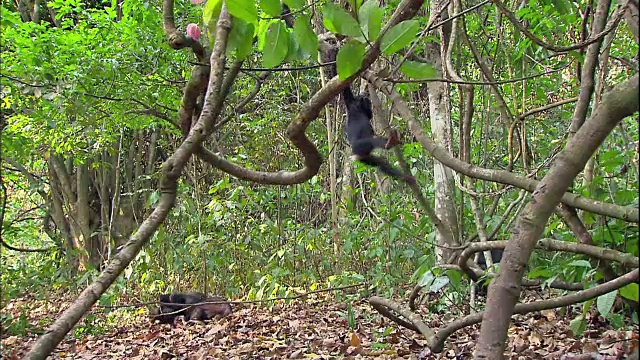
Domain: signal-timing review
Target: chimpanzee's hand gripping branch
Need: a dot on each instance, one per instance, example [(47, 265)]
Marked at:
[(362, 138)]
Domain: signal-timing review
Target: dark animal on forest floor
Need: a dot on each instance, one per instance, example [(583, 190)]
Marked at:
[(209, 311), (174, 305), (188, 305), (362, 138), (496, 256)]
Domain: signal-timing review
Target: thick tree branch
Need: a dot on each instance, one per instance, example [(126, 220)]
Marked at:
[(437, 343), (627, 213), (595, 252), (617, 104), (175, 38), (309, 112), (587, 76)]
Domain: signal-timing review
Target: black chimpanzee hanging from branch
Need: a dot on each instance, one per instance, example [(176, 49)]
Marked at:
[(362, 138), (359, 115)]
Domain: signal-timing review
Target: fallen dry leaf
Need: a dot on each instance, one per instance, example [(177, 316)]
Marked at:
[(314, 329)]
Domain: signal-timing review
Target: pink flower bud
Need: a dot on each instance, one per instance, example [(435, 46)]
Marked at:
[(197, 2), (194, 31)]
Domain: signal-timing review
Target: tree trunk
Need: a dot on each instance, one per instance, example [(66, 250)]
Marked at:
[(439, 114)]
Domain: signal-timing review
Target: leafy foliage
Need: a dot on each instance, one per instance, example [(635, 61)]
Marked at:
[(89, 91)]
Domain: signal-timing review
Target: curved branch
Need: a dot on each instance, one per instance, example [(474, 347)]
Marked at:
[(3, 206), (25, 249), (195, 86), (283, 69), (309, 112), (626, 213), (546, 107), (547, 244), (437, 343), (415, 323), (529, 283), (175, 38), (471, 82)]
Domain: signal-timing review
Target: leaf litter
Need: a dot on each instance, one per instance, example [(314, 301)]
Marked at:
[(315, 328)]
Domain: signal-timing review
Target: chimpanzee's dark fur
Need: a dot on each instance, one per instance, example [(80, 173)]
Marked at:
[(209, 311), (175, 305)]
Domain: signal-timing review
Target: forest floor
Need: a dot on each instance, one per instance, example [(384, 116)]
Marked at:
[(314, 328)]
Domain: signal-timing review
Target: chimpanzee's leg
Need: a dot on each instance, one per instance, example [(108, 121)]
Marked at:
[(364, 147), (382, 164), (362, 152)]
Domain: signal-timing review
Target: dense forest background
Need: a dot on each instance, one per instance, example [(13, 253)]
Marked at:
[(151, 147)]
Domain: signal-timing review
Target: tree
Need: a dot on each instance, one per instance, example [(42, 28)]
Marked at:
[(101, 148)]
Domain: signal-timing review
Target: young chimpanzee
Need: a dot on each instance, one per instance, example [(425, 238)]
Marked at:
[(362, 138), (167, 313)]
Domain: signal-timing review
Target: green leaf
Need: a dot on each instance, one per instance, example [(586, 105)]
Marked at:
[(9, 18), (276, 45), (271, 7), (338, 21), (630, 292), (305, 36), (243, 9), (370, 16), (349, 58), (580, 263), (240, 39), (263, 26), (587, 305), (355, 4), (578, 325), (293, 53), (455, 277), (604, 303), (211, 13), (561, 6), (439, 283), (576, 55), (540, 272), (547, 283), (399, 36), (426, 279), (295, 4), (418, 70)]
